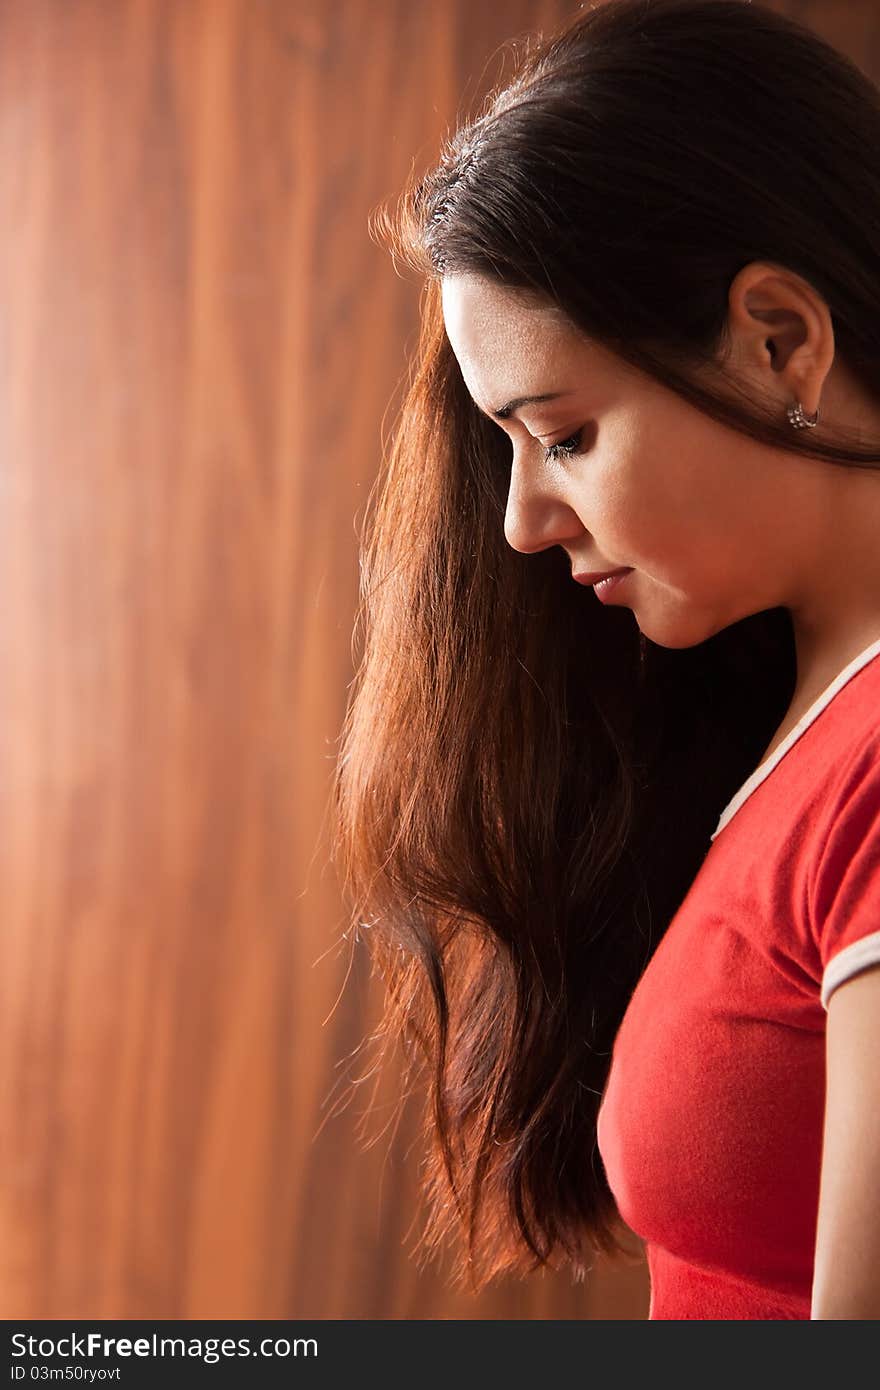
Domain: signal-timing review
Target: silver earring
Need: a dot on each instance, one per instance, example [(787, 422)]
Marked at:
[(798, 419)]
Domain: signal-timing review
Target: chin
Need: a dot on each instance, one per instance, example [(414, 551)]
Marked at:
[(678, 630)]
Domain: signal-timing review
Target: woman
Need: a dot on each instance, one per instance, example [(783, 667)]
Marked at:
[(618, 844)]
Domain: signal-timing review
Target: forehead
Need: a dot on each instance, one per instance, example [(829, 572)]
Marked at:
[(479, 313), (507, 341)]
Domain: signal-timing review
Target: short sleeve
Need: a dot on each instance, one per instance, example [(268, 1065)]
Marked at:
[(846, 889)]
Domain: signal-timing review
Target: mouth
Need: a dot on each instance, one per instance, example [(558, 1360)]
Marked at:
[(604, 585), (596, 576)]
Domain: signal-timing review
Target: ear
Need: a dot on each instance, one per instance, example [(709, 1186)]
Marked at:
[(780, 333)]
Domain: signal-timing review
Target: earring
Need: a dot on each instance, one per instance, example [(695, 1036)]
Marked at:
[(798, 419)]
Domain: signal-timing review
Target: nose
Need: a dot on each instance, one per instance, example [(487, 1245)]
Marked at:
[(536, 516)]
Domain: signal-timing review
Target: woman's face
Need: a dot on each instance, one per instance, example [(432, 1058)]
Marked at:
[(714, 525)]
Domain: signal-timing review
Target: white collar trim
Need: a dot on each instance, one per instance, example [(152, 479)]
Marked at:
[(816, 708)]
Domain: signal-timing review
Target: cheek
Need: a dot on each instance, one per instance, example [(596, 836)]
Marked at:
[(637, 506), (635, 486), (663, 491), (655, 512), (681, 475)]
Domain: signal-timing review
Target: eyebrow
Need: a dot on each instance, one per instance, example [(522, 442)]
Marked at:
[(505, 411)]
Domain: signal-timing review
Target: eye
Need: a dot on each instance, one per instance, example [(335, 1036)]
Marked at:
[(565, 448)]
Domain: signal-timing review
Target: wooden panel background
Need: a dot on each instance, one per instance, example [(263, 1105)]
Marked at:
[(198, 343)]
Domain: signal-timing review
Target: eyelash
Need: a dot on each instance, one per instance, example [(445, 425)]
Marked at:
[(564, 449)]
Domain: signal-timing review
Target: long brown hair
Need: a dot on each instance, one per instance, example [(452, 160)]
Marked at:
[(526, 785)]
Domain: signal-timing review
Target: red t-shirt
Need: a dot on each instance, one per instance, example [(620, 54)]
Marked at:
[(710, 1127)]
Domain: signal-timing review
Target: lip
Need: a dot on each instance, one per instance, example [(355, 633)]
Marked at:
[(593, 576), (604, 584)]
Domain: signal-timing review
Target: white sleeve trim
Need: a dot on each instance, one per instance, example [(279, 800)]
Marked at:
[(857, 956)]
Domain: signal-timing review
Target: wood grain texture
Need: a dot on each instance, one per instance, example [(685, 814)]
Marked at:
[(198, 345)]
